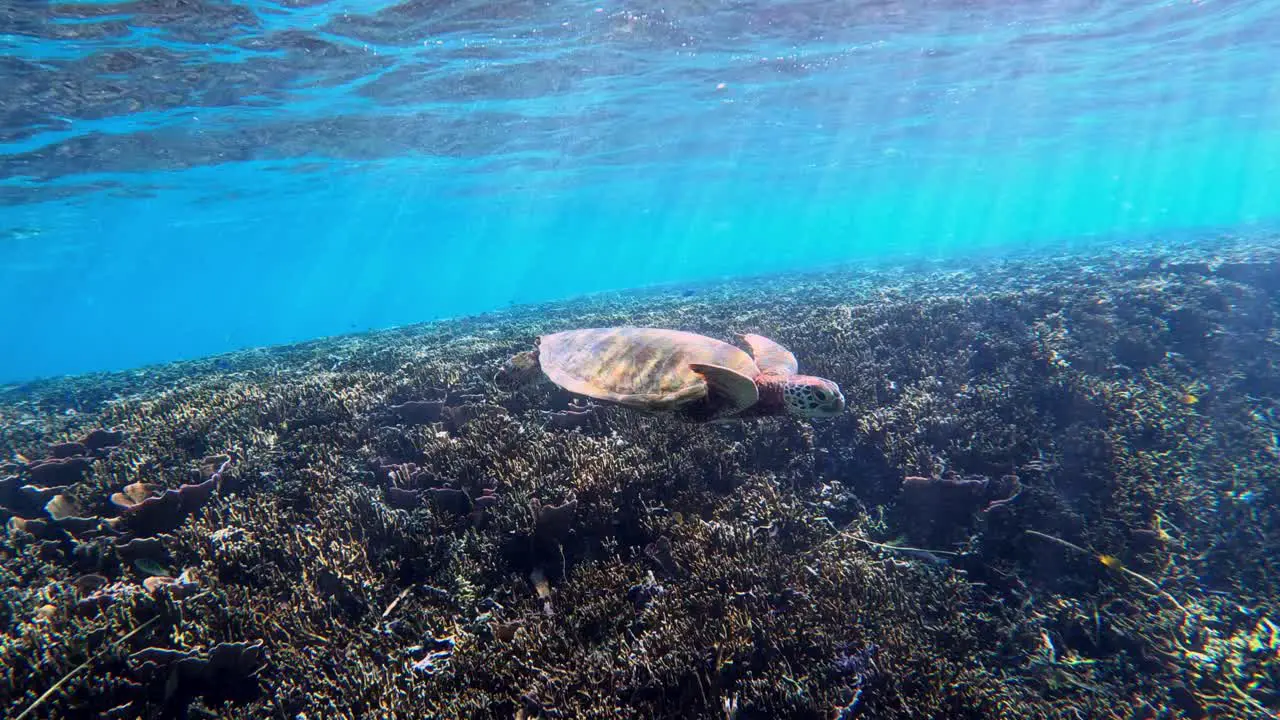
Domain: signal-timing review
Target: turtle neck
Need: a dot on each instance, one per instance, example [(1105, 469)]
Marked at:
[(772, 400)]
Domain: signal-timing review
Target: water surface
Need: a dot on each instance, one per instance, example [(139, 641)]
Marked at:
[(184, 177)]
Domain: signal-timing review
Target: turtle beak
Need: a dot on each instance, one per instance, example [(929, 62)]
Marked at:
[(836, 406)]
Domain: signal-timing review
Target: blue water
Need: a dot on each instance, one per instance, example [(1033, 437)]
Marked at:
[(185, 178)]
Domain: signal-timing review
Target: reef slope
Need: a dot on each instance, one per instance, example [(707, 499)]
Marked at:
[(1054, 495)]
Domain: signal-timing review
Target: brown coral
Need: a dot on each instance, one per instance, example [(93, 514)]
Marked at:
[(760, 567)]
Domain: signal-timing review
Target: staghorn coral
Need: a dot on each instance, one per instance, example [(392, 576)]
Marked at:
[(399, 563)]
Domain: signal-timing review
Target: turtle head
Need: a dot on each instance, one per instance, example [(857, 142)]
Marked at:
[(812, 397)]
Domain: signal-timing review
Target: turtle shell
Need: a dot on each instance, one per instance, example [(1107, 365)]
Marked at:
[(642, 368)]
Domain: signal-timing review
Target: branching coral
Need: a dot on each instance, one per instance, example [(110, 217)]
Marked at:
[(402, 536)]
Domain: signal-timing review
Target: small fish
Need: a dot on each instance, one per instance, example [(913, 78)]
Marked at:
[(20, 233), (1189, 399), (151, 567)]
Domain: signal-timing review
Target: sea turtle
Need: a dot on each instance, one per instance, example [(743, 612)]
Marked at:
[(697, 378)]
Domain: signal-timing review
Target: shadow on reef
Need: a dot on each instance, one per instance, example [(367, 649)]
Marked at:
[(1053, 495)]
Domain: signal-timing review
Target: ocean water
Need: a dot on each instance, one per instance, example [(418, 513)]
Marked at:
[(1025, 255), (185, 177)]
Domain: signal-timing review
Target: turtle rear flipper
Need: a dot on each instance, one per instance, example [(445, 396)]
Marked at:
[(729, 392)]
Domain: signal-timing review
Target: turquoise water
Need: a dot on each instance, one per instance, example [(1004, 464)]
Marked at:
[(185, 178)]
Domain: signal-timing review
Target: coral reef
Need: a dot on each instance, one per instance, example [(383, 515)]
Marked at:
[(1053, 495)]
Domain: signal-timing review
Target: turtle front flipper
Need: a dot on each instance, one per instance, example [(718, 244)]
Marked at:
[(522, 370), (729, 392), (771, 357)]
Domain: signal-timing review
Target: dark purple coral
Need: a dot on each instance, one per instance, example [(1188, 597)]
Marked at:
[(68, 449), (855, 667), (144, 511), (101, 439), (419, 412), (228, 671), (59, 471)]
